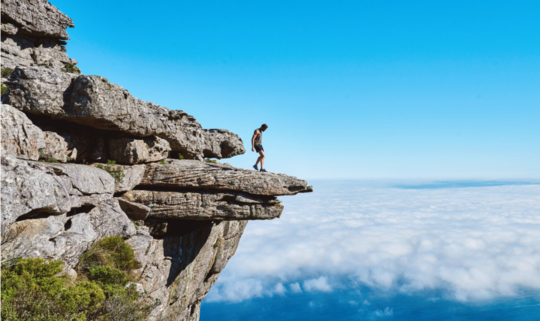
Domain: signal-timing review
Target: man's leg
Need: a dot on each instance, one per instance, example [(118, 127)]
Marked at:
[(261, 158)]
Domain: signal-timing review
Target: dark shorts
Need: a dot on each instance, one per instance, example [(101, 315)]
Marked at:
[(258, 148)]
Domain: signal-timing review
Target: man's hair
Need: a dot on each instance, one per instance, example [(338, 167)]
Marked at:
[(264, 126)]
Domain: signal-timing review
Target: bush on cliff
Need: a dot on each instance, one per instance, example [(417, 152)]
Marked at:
[(33, 290), (117, 172)]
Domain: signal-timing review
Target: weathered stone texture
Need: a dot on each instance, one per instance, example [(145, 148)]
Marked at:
[(194, 174), (20, 137), (93, 101), (36, 17), (56, 147), (191, 261), (205, 205), (136, 151)]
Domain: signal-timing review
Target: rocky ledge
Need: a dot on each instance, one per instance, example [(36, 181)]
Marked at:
[(82, 159)]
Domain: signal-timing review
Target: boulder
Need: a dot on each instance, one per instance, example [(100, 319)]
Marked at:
[(204, 205), (20, 137), (33, 189), (134, 211), (93, 101), (66, 237), (132, 177), (37, 17), (56, 147), (136, 151), (181, 174)]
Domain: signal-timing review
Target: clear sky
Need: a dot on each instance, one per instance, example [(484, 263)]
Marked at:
[(349, 89)]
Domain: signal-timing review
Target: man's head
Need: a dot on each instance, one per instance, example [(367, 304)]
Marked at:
[(263, 127)]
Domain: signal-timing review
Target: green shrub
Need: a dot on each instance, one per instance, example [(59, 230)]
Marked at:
[(208, 160), (111, 251), (162, 162), (180, 156), (33, 291), (116, 171), (43, 158), (71, 68), (6, 72), (4, 89)]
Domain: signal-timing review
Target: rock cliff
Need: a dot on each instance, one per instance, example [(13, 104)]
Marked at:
[(183, 217)]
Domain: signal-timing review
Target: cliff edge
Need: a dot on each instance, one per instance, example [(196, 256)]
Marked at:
[(61, 192)]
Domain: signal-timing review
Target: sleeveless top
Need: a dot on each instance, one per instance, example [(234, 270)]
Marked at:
[(258, 139)]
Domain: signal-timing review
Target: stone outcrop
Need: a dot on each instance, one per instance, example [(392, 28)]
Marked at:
[(183, 217), (199, 175), (20, 136), (33, 34), (94, 102)]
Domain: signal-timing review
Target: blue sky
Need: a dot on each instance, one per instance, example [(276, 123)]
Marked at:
[(355, 89)]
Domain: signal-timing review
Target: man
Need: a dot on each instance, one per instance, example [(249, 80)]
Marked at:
[(256, 145)]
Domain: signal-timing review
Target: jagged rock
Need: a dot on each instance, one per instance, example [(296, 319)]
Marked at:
[(38, 90), (136, 151), (31, 189), (9, 29), (134, 211), (132, 177), (180, 269), (194, 174), (93, 101), (66, 237), (37, 17), (20, 137), (221, 143), (56, 147), (27, 190), (24, 51), (205, 205)]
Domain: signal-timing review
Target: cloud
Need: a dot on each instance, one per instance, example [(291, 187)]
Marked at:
[(319, 284), (384, 313), (471, 243)]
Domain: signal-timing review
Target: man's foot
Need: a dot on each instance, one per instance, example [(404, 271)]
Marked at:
[(263, 170), (256, 168)]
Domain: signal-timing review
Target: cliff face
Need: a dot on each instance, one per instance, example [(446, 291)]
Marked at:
[(183, 217)]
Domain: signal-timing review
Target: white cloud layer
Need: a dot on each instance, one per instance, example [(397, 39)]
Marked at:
[(473, 243)]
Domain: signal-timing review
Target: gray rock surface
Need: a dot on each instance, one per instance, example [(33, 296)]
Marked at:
[(20, 137), (191, 261), (36, 17), (66, 237), (93, 101), (133, 176), (134, 211), (194, 174), (56, 147), (204, 205), (137, 151), (31, 189)]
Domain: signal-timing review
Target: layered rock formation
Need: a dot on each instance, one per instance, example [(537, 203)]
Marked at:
[(183, 217)]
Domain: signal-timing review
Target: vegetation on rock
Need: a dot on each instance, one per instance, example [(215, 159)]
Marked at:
[(4, 89), (117, 172), (6, 72), (44, 158), (33, 289), (208, 160), (71, 68)]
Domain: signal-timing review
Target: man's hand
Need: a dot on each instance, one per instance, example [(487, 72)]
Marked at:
[(252, 149)]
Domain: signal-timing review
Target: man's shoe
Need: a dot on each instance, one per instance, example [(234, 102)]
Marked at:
[(256, 168), (263, 170)]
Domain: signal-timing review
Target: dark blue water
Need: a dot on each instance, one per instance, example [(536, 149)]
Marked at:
[(352, 305)]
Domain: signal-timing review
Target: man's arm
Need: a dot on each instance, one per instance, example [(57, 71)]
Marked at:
[(253, 140)]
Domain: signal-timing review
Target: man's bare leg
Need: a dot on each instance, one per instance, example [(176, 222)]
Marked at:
[(260, 159)]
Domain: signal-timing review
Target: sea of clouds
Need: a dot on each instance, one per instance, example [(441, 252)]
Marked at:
[(470, 243)]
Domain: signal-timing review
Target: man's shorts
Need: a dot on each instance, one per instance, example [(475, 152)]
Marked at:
[(258, 148)]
